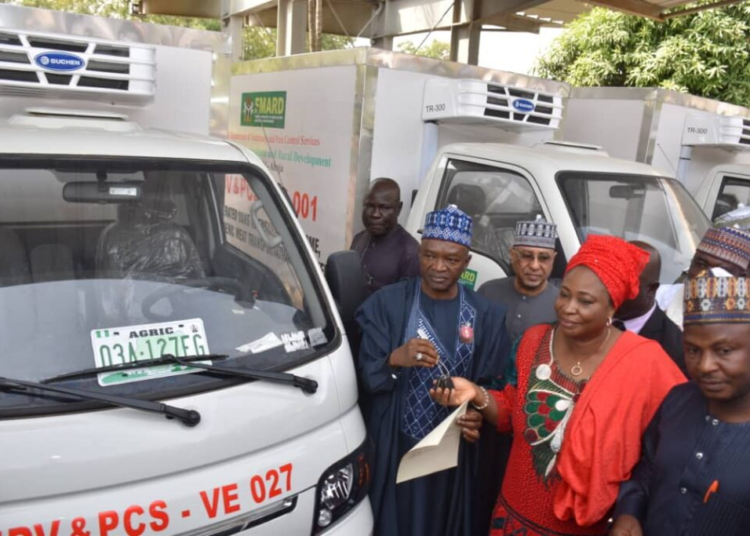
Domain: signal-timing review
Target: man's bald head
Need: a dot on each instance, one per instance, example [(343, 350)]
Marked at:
[(649, 284), (652, 270), (381, 207), (384, 184)]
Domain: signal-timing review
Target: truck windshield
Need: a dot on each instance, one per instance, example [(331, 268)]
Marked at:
[(104, 262), (655, 210)]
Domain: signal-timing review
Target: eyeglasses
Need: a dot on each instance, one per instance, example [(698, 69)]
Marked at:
[(528, 256)]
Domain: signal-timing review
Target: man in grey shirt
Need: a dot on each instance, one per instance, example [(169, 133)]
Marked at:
[(529, 296)]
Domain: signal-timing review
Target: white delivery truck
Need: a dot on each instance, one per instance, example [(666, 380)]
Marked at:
[(329, 123), (580, 188), (703, 143), (171, 359)]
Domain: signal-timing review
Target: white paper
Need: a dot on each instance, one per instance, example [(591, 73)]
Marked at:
[(268, 341), (436, 452)]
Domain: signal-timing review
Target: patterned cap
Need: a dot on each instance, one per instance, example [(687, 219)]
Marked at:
[(449, 224), (535, 234), (717, 300), (729, 244)]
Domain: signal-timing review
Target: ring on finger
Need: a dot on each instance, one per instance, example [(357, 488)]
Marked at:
[(419, 356)]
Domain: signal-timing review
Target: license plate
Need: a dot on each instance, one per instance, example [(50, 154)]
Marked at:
[(131, 344)]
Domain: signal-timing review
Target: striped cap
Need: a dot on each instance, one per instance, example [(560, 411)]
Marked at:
[(536, 234), (717, 300), (729, 244), (449, 224)]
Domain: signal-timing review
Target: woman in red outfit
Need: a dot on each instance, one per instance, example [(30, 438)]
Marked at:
[(585, 393)]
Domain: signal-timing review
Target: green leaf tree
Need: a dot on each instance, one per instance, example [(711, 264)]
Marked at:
[(258, 42), (438, 50), (705, 54)]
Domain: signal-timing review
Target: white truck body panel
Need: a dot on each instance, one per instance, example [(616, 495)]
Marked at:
[(364, 108), (126, 472)]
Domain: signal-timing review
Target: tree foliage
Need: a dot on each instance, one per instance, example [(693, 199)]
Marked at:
[(438, 50), (258, 42), (704, 54)]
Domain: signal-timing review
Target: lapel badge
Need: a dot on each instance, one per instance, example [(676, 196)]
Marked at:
[(466, 333)]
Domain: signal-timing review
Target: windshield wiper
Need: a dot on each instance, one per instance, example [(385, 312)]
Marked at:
[(307, 385), (187, 416)]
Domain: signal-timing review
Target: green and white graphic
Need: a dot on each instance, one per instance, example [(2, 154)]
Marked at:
[(146, 342), (266, 109), (468, 278)]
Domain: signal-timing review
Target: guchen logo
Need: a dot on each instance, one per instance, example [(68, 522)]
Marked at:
[(59, 61), (523, 106)]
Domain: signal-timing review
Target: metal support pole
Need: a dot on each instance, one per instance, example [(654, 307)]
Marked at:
[(385, 42), (465, 37), (465, 43), (235, 27), (291, 26)]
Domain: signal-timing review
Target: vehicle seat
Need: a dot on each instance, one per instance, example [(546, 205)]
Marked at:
[(14, 263), (52, 262), (471, 199), (143, 243)]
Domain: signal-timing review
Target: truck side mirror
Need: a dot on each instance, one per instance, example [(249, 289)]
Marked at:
[(346, 280)]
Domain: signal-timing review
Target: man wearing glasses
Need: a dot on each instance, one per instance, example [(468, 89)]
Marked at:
[(529, 296)]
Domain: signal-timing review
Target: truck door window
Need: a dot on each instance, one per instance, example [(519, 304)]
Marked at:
[(113, 261), (495, 198), (651, 209), (734, 193)]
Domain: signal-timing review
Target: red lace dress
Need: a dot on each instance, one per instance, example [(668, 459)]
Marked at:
[(536, 499)]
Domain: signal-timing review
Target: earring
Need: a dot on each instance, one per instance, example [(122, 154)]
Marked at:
[(609, 321)]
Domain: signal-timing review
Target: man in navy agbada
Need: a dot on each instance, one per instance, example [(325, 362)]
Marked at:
[(693, 478), (413, 332)]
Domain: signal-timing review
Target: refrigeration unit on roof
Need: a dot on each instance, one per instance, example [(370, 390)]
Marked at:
[(65, 67), (731, 133), (490, 103)]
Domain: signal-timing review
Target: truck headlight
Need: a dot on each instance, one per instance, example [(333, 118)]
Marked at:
[(342, 487)]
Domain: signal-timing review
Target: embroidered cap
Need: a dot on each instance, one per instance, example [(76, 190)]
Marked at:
[(717, 300), (729, 244), (449, 224), (535, 234)]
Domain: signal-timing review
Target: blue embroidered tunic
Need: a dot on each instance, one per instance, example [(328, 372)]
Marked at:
[(685, 451), (400, 412)]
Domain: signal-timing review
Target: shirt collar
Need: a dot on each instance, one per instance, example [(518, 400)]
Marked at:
[(636, 324)]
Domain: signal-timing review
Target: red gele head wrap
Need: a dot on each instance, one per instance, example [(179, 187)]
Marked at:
[(616, 263)]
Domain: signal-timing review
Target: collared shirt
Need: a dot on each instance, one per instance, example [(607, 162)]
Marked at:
[(636, 324), (523, 311), (692, 479), (387, 259)]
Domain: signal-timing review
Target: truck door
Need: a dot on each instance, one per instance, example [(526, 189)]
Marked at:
[(733, 191), (496, 196)]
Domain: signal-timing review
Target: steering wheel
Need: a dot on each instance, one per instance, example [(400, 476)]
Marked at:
[(220, 284)]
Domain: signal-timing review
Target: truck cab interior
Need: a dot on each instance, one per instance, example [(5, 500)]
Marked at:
[(90, 246)]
